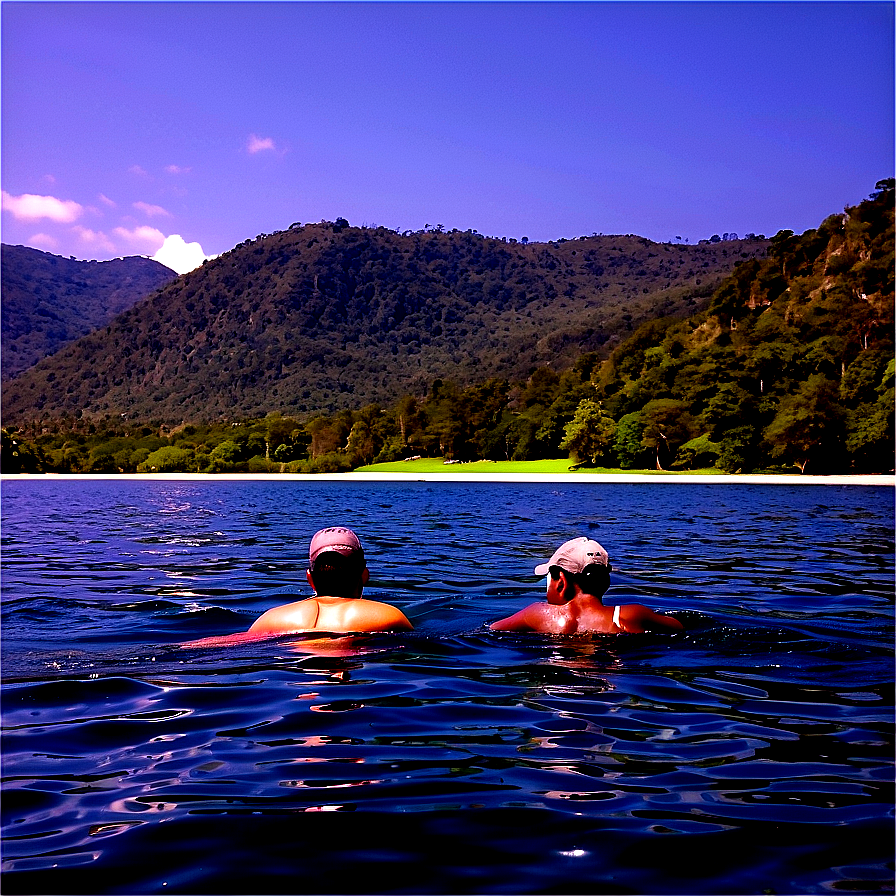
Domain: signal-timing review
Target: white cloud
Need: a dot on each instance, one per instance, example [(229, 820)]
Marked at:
[(95, 239), (144, 237), (107, 201), (43, 241), (136, 169), (260, 144), (179, 255), (29, 207), (177, 169), (151, 210)]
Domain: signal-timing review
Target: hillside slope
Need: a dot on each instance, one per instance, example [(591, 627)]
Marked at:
[(49, 301), (325, 316), (791, 363)]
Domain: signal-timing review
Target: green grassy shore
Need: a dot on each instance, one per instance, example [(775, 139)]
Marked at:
[(435, 468), (431, 465)]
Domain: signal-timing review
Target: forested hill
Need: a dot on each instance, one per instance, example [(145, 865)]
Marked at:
[(326, 316), (791, 364), (49, 301)]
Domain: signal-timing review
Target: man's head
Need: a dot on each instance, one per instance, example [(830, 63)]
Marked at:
[(337, 566), (583, 563)]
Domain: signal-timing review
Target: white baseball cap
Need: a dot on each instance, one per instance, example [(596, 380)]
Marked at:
[(575, 556)]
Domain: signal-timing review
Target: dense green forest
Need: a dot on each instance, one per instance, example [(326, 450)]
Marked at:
[(790, 367), (323, 317)]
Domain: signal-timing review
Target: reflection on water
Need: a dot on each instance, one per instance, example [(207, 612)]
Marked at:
[(753, 753)]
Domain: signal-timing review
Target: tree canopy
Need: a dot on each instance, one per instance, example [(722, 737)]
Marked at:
[(790, 367)]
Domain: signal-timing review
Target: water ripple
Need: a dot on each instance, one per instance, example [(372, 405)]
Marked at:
[(753, 753)]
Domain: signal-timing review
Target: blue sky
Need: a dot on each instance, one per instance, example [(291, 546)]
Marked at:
[(180, 129)]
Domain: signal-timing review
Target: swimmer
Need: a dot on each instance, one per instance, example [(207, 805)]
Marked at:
[(337, 574), (577, 576)]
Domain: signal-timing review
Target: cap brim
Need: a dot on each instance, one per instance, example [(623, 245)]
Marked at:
[(542, 569)]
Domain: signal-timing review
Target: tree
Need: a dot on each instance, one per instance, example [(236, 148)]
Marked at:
[(727, 409), (361, 447), (226, 452), (666, 425), (574, 387), (168, 460), (521, 439), (326, 436), (739, 450), (333, 462), (869, 438), (863, 376), (485, 407), (493, 443), (590, 434), (138, 456), (279, 431), (251, 441), (541, 388), (825, 355), (629, 449), (446, 429), (70, 458), (699, 452), (102, 460), (700, 375), (882, 186), (807, 424), (409, 419), (770, 365), (283, 454)]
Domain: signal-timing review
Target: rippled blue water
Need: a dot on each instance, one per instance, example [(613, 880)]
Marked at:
[(752, 754)]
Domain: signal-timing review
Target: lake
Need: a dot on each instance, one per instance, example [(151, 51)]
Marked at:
[(751, 754)]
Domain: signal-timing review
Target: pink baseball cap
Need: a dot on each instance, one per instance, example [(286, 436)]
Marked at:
[(576, 556), (335, 538)]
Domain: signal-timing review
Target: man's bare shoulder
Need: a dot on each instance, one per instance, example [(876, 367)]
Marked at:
[(537, 617), (636, 619), (364, 615), (298, 616)]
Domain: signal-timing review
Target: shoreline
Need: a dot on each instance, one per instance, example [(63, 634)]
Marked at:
[(887, 480)]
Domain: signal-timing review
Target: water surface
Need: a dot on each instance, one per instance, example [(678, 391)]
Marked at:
[(751, 754)]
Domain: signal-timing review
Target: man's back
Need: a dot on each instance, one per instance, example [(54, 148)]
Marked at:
[(331, 614), (584, 614)]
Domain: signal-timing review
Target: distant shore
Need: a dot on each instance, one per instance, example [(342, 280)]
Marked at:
[(643, 478), (435, 470)]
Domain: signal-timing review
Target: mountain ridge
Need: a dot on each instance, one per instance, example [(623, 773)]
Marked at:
[(326, 316), (49, 300)]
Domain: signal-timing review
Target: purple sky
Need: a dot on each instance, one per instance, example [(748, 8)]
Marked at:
[(126, 124)]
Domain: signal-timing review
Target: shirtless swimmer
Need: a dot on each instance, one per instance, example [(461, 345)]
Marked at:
[(337, 574), (577, 576)]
